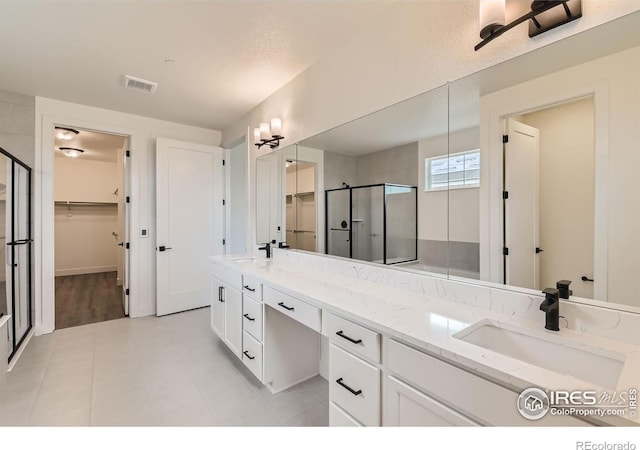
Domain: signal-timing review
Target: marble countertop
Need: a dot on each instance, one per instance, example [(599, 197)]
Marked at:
[(430, 323)]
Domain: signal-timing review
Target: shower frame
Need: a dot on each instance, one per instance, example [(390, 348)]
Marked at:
[(384, 219)]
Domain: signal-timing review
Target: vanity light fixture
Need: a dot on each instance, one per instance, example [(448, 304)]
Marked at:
[(545, 15), (71, 152), (66, 133), (268, 134)]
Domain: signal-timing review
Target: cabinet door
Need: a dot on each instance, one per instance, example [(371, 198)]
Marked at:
[(233, 319), (218, 308), (408, 407)]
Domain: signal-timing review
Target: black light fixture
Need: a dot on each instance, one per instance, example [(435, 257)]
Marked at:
[(268, 134), (545, 15), (66, 133), (71, 152)]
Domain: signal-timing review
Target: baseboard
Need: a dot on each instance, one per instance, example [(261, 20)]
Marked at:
[(85, 270)]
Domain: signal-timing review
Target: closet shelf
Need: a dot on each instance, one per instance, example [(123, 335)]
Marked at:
[(86, 203)]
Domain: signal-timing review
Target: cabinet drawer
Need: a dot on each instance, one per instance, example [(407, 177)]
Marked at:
[(354, 385), (252, 287), (252, 317), (405, 406), (475, 397), (252, 354), (339, 418), (296, 309), (354, 337)]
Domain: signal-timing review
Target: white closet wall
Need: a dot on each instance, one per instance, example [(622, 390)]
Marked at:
[(84, 234)]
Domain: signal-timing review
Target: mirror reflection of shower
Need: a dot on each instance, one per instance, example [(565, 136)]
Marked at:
[(375, 223)]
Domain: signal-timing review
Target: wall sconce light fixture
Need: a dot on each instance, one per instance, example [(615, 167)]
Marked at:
[(66, 133), (545, 15), (268, 134), (71, 152)]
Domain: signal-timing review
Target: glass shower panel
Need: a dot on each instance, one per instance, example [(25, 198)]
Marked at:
[(401, 227), (22, 250), (338, 219), (367, 223), (5, 254)]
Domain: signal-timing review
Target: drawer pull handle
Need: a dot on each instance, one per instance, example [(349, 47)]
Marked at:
[(344, 336), (246, 353), (288, 308), (358, 392), (251, 319), (220, 294), (248, 288)]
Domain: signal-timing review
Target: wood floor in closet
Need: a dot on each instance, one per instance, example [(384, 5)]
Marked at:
[(85, 299)]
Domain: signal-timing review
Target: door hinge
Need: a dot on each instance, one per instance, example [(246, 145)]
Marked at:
[(127, 153), (128, 199), (505, 251), (223, 162), (127, 246), (224, 202), (505, 138), (224, 242), (126, 291), (505, 195)]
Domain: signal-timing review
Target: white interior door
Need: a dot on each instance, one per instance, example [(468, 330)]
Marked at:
[(521, 209), (190, 222), (124, 213)]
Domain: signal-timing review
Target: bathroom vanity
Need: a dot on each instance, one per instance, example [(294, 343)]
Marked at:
[(406, 349)]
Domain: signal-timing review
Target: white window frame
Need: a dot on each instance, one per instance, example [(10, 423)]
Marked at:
[(427, 172)]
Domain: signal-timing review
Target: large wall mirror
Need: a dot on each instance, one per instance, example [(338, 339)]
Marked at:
[(557, 195), (361, 187)]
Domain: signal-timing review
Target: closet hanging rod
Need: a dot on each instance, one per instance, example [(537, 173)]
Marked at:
[(86, 203)]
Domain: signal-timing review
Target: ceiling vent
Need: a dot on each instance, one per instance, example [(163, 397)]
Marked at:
[(140, 85)]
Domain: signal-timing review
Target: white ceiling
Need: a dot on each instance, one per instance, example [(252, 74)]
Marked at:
[(96, 146), (229, 55)]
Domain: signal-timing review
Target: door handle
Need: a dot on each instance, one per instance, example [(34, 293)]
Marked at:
[(20, 242), (220, 293), (539, 250), (162, 248), (120, 244)]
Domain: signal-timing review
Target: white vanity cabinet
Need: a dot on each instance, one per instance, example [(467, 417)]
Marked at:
[(226, 315), (423, 390)]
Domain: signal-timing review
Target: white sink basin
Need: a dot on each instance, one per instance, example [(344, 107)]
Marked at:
[(251, 259), (567, 357)]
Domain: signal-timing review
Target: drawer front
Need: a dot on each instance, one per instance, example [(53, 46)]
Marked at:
[(480, 399), (405, 406), (252, 317), (354, 386), (353, 337), (339, 418), (228, 276), (298, 310), (252, 354), (252, 287)]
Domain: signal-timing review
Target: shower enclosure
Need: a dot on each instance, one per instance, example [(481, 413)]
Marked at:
[(376, 223), (15, 237)]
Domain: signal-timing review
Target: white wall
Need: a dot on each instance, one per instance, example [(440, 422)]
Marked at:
[(613, 80), (84, 242), (143, 132), (448, 215)]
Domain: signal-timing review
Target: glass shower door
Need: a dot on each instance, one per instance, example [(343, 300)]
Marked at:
[(367, 221), (15, 223)]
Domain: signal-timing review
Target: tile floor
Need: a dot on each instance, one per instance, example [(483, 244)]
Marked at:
[(167, 371)]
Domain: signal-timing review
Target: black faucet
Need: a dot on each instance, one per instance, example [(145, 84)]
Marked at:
[(551, 308), (563, 288), (267, 247)]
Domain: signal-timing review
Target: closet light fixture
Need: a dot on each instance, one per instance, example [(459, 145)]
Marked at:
[(66, 133), (268, 134), (545, 15), (71, 152)]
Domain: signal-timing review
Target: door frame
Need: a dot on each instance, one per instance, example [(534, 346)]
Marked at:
[(513, 102), (44, 212)]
